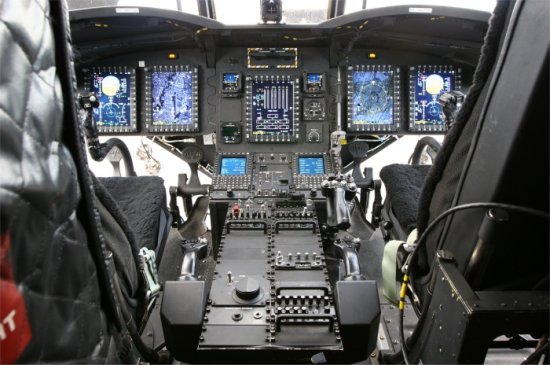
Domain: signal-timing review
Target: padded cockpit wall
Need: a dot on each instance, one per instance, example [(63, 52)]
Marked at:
[(514, 137), (45, 255), (503, 159)]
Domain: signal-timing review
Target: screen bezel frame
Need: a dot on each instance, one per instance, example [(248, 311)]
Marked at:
[(413, 72), (133, 127), (295, 137), (384, 128), (194, 126)]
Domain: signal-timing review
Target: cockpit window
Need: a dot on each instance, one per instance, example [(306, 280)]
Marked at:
[(305, 11), (237, 12), (240, 12), (247, 12), (186, 6), (356, 5)]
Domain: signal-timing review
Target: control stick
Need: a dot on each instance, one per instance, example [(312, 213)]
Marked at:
[(339, 191)]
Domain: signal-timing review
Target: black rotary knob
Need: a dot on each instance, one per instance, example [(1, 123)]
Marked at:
[(247, 289)]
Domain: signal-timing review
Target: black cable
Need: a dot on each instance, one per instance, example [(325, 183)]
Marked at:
[(150, 355), (402, 338), (422, 239)]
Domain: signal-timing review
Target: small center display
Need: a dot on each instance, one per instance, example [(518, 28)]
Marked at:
[(311, 166), (233, 166)]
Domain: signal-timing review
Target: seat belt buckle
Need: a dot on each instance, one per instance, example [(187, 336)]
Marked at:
[(148, 269)]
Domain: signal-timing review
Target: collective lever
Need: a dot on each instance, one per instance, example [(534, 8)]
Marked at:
[(193, 250)]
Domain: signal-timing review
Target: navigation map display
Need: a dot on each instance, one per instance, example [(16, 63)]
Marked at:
[(115, 89), (427, 84), (373, 98), (172, 98)]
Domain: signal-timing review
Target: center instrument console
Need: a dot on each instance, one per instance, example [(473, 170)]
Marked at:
[(276, 284)]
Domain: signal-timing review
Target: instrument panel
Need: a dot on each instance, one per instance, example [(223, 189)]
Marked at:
[(251, 90), (270, 105)]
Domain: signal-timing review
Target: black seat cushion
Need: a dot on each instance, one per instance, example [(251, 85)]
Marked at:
[(143, 200), (403, 186)]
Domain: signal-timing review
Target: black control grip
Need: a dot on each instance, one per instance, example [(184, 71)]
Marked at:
[(190, 190), (338, 208)]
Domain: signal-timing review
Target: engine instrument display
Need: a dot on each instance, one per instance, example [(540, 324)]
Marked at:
[(272, 109), (373, 98), (230, 132), (231, 84), (233, 166), (311, 165), (314, 83), (171, 93), (427, 84), (115, 90)]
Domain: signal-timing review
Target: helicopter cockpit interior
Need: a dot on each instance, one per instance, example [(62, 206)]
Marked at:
[(195, 181)]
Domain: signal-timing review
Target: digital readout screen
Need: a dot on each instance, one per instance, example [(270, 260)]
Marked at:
[(311, 166), (233, 166)]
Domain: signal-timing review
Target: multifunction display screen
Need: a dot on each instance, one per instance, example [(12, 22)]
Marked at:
[(172, 98), (115, 89), (427, 84), (272, 107), (373, 98)]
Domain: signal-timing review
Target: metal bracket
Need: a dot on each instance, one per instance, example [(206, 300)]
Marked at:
[(148, 268)]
